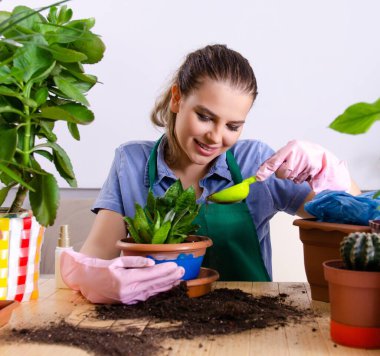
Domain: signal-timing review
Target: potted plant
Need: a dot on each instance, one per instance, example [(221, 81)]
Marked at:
[(354, 288), (42, 81), (321, 240), (164, 231)]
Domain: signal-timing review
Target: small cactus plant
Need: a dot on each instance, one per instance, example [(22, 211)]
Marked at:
[(361, 251)]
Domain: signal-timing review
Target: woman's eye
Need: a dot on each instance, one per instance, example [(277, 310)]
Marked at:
[(203, 117), (233, 127)]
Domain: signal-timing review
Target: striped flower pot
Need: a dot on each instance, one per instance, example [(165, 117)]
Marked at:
[(21, 238)]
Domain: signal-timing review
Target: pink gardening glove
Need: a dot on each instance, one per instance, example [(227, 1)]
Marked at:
[(303, 161), (126, 279)]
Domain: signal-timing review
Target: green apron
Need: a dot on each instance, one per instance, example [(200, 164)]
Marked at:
[(235, 253)]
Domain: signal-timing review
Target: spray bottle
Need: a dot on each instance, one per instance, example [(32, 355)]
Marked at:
[(63, 245)]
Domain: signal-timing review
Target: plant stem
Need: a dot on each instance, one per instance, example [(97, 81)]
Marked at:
[(19, 199)]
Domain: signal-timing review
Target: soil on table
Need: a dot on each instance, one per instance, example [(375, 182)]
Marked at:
[(223, 311)]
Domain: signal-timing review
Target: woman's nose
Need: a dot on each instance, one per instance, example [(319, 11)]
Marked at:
[(215, 135)]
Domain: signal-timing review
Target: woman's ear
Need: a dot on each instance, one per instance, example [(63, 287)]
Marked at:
[(175, 99)]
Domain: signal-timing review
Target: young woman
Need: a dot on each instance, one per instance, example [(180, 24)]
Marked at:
[(203, 111)]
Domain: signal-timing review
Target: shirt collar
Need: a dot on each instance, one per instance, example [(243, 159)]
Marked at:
[(219, 168)]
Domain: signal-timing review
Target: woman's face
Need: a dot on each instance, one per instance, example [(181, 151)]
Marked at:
[(209, 120)]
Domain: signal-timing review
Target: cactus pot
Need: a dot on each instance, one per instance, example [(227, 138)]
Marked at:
[(321, 242), (188, 254), (354, 305)]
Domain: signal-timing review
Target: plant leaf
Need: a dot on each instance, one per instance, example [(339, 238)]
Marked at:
[(7, 108), (4, 193), (8, 142), (41, 96), (357, 118), (31, 58), (45, 198), (75, 113), (74, 131), (9, 92), (161, 234), (45, 154), (83, 115), (151, 203), (46, 131), (62, 161), (70, 90), (132, 230), (141, 224), (5, 75), (7, 171), (92, 46), (43, 73), (66, 55)]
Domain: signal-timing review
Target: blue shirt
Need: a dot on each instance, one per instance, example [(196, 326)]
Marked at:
[(128, 182)]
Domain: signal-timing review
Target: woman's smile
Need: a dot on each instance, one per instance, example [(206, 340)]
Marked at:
[(205, 150)]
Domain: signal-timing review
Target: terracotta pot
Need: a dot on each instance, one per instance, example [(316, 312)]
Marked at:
[(375, 226), (188, 254), (355, 301), (21, 238), (321, 242), (6, 308)]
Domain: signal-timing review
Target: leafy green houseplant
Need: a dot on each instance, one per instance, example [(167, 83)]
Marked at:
[(167, 219), (163, 230), (42, 81), (354, 288)]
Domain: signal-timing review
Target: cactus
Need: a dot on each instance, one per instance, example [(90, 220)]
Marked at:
[(361, 251)]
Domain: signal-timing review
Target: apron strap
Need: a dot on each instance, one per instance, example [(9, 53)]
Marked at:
[(233, 167), (152, 163)]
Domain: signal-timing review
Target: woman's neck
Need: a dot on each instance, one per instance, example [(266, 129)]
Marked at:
[(188, 172)]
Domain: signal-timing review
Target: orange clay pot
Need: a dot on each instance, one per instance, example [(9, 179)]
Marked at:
[(321, 242), (354, 305), (188, 254)]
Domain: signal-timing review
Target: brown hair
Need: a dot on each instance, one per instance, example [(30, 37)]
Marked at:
[(216, 62)]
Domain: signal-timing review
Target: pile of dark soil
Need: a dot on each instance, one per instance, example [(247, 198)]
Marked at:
[(223, 311), (97, 341)]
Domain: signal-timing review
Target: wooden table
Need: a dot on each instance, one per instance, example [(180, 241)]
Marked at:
[(309, 338)]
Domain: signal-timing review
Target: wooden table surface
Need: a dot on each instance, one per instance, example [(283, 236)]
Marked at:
[(308, 338)]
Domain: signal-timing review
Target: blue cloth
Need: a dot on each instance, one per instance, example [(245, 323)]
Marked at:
[(341, 207), (128, 182)]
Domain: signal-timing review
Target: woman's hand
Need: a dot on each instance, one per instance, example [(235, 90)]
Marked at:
[(303, 161), (126, 279)]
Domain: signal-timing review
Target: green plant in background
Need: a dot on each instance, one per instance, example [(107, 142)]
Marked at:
[(168, 219), (357, 119), (42, 81), (361, 251)]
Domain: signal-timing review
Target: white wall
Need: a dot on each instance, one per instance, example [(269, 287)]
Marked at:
[(312, 59)]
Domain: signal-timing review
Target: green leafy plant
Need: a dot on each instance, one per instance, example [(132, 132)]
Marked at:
[(168, 219), (357, 119), (42, 81), (361, 251)]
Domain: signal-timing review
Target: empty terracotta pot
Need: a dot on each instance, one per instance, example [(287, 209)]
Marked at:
[(354, 303), (321, 242), (188, 254)]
